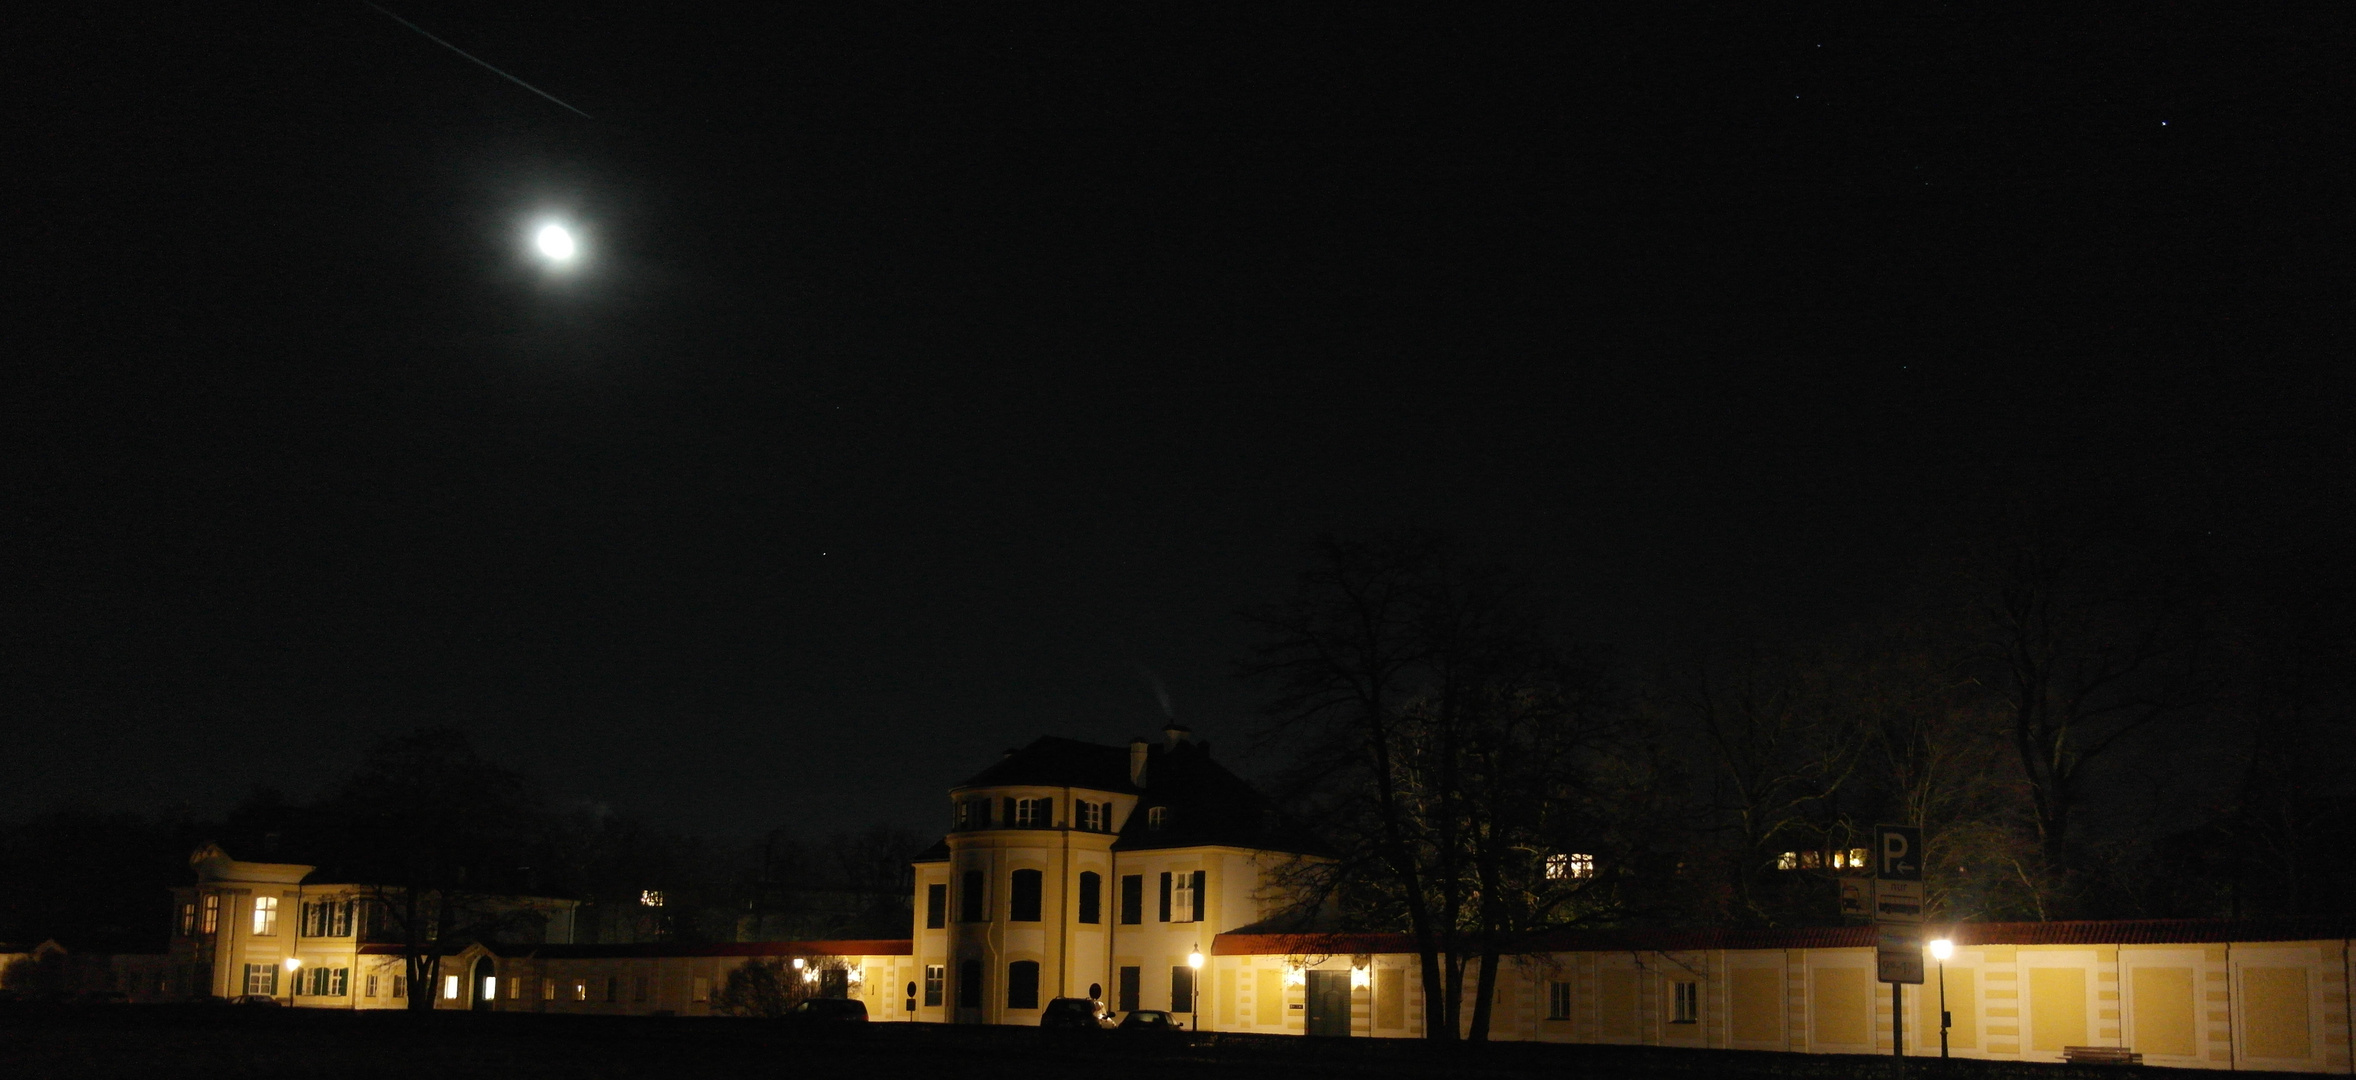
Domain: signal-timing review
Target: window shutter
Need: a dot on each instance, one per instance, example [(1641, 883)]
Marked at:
[(1008, 820), (1165, 896), (1201, 903)]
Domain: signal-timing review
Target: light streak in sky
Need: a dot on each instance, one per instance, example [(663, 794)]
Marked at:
[(477, 59)]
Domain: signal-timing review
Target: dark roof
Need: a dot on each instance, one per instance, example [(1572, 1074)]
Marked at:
[(1208, 805), (1058, 762), (2104, 932), (939, 852)]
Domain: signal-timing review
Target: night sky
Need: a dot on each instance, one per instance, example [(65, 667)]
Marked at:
[(941, 377)]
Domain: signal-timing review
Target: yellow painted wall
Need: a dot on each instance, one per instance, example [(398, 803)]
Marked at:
[(2274, 1012), (1268, 999), (1390, 998), (2057, 1007), (1840, 1006), (1963, 1003), (1615, 1002), (1226, 994), (1756, 1000), (2162, 1002)]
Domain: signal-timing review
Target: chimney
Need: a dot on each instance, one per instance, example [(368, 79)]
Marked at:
[(1137, 751), (1176, 733)]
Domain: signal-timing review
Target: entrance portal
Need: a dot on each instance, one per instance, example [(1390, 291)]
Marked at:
[(1329, 1003), (485, 988)]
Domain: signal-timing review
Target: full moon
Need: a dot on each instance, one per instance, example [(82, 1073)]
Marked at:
[(555, 242)]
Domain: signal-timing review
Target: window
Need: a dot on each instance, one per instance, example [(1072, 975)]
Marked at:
[(974, 814), (1852, 859), (1157, 817), (1089, 816), (548, 989), (934, 976), (328, 918), (650, 898), (936, 906), (1091, 897), (515, 988), (1034, 813), (372, 986), (1128, 988), (1022, 984), (1567, 867), (339, 983), (1163, 910), (1789, 860), (265, 916), (1558, 1001), (969, 984), (1181, 989), (449, 987), (1689, 1003), (1811, 860), (1023, 904), (188, 920), (969, 905), (638, 989), (581, 989), (701, 989), (261, 979), (401, 986), (1186, 897), (1132, 899), (212, 912)]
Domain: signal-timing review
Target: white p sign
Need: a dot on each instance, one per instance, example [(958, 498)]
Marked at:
[(1898, 853)]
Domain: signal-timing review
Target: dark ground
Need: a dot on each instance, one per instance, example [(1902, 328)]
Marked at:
[(146, 1041)]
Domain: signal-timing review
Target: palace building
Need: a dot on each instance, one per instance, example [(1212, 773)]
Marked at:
[(1145, 875)]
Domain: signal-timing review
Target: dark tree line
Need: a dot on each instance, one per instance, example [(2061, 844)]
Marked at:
[(2084, 724)]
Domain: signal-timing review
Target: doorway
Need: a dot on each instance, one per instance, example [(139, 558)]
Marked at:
[(484, 988), (1329, 1003)]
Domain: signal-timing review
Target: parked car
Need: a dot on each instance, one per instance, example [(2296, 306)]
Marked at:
[(1151, 1020), (828, 1011), (1084, 1014), (257, 1001)]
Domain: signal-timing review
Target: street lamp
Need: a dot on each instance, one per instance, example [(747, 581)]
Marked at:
[(1194, 986), (1941, 949), (294, 973)]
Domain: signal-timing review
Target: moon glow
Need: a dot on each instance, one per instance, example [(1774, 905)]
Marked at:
[(555, 242)]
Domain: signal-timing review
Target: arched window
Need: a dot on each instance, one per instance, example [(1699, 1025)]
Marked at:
[(1023, 901), (969, 984), (1022, 984)]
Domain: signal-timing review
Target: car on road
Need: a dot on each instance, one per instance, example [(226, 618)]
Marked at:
[(828, 1012), (1150, 1020), (1084, 1014)]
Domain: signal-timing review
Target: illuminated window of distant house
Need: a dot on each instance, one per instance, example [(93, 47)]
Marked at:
[(1789, 860), (1091, 897), (515, 989), (581, 990), (1811, 860), (1022, 984), (1852, 859), (261, 979), (1569, 866), (650, 898), (265, 916), (1132, 899), (1090, 816), (1558, 1001), (548, 989), (1689, 1003), (449, 987), (934, 976), (936, 906), (969, 903), (212, 921), (1023, 898), (1034, 813), (188, 919)]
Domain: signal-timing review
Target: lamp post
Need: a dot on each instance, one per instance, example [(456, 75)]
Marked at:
[(1194, 987), (294, 973), (1941, 949)]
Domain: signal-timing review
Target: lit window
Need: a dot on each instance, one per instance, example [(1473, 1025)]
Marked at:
[(581, 990), (1566, 867), (650, 898), (1811, 860), (935, 975), (491, 987), (1689, 1003), (188, 920), (1789, 860), (1856, 858), (265, 916), (548, 989), (1558, 1001), (449, 987), (261, 979), (212, 912), (515, 989)]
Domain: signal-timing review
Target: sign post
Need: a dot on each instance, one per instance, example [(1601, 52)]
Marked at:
[(1897, 919)]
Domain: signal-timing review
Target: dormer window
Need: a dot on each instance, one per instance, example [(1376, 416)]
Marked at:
[(1157, 817), (974, 813), (1089, 816), (1033, 813)]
